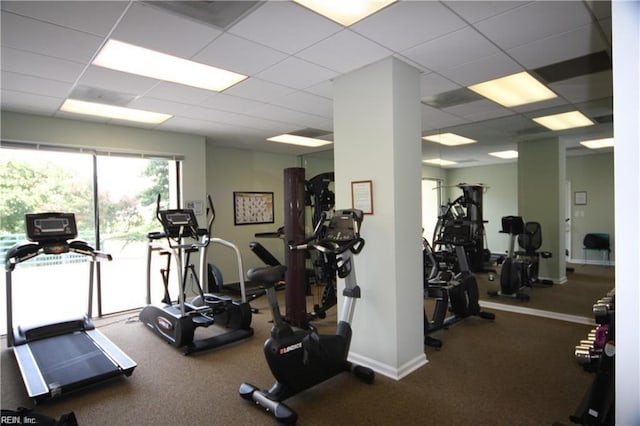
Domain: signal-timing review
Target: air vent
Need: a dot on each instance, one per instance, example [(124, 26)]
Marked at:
[(583, 65), (101, 96), (530, 131), (604, 119), (312, 133), (220, 14), (451, 98)]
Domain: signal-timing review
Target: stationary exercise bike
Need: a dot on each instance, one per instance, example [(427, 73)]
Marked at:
[(519, 269), (455, 290), (176, 322), (301, 359)]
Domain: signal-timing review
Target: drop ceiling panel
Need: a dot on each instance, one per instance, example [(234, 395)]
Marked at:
[(475, 11), (258, 90), (225, 102), (308, 103), (586, 87), (29, 103), (47, 39), (163, 31), (239, 55), (483, 69), (534, 21), (344, 52), (433, 118), (37, 65), (408, 23), (434, 83), (116, 81), (580, 41), (96, 17), (284, 26), (324, 89), (179, 93), (35, 85), (158, 105), (297, 119), (478, 110), (296, 73), (453, 49)]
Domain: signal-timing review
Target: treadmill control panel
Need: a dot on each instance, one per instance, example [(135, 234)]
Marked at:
[(51, 227)]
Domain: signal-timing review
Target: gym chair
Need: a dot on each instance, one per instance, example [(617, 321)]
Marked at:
[(599, 242)]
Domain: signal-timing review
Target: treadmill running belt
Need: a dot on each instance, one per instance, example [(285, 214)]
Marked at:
[(71, 358)]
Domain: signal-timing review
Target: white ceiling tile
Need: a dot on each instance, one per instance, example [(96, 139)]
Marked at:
[(536, 20), (179, 93), (450, 50), (28, 102), (483, 69), (35, 85), (296, 73), (586, 87), (37, 65), (285, 26), (258, 90), (433, 118), (478, 110), (433, 83), (239, 55), (94, 17), (298, 120), (344, 52), (409, 23), (324, 89), (47, 39), (474, 11), (579, 42), (166, 32), (116, 81), (226, 102), (147, 103), (308, 103)]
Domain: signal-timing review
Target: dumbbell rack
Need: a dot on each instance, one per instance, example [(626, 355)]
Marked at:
[(596, 354)]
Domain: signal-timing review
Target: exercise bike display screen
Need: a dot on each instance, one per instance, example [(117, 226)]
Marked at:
[(51, 226)]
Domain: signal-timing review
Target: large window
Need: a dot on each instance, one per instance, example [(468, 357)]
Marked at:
[(113, 198)]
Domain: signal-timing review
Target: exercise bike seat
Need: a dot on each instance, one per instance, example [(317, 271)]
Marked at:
[(267, 275)]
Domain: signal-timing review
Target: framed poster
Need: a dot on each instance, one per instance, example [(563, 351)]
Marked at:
[(580, 198), (362, 196), (250, 208)]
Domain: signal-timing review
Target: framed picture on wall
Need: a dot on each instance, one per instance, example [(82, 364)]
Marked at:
[(251, 208), (362, 196)]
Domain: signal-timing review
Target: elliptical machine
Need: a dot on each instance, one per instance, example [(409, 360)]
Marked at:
[(455, 289), (176, 322), (303, 358)]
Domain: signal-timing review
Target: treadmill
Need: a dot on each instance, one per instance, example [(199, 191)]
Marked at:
[(56, 358)]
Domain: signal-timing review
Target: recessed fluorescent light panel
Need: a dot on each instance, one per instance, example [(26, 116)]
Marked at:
[(566, 120), (112, 111), (125, 57), (440, 162), (345, 12), (298, 140), (513, 90), (598, 143), (449, 139), (505, 155)]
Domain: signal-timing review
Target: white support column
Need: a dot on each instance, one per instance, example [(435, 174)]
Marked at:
[(377, 138)]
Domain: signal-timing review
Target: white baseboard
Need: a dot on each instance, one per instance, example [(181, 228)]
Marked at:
[(388, 370)]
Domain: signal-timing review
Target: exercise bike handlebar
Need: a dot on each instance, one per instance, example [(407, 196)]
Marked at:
[(331, 247)]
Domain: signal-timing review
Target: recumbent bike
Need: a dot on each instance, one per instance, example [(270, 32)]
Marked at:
[(303, 358)]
